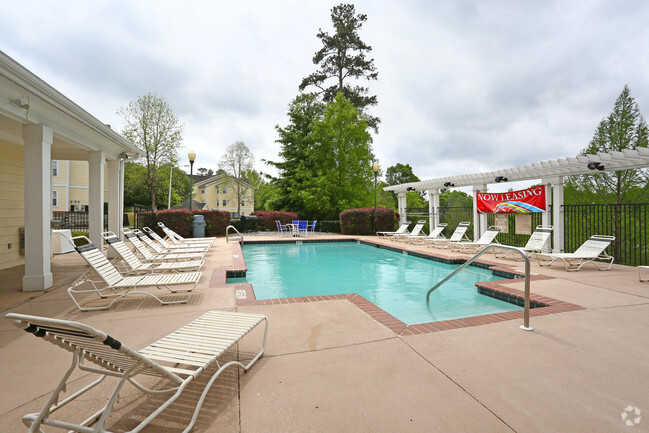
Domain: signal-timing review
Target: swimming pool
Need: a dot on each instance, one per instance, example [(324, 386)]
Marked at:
[(394, 281)]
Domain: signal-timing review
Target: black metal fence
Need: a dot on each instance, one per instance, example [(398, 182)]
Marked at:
[(143, 216), (77, 221)]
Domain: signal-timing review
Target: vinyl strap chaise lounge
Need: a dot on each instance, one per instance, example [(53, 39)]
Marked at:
[(415, 232), (173, 247), (487, 238), (458, 235), (179, 240), (178, 359), (436, 233), (117, 286), (589, 252), (403, 228), (148, 256), (537, 243), (133, 265)]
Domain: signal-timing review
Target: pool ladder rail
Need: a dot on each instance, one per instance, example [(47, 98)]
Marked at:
[(526, 317), (237, 237)]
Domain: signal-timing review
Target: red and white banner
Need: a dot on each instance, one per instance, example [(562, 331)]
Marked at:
[(523, 201)]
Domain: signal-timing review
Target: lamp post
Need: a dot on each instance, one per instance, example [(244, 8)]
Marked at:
[(192, 157), (375, 168)]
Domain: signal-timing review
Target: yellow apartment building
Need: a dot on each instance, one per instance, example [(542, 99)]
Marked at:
[(220, 193), (70, 185)]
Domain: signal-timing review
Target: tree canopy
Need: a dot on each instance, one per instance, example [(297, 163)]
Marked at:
[(624, 128), (151, 125), (236, 162), (136, 191), (341, 58)]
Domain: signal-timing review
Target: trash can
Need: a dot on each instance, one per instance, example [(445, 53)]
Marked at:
[(198, 226)]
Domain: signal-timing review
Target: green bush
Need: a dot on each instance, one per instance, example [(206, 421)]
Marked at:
[(330, 226), (216, 221), (79, 242), (267, 219), (359, 221)]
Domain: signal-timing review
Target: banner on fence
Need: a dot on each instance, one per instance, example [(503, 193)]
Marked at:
[(524, 201)]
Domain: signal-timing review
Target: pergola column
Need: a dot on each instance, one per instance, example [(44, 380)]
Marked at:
[(38, 244), (433, 208), (401, 203), (115, 202), (96, 161), (557, 216), (479, 219)]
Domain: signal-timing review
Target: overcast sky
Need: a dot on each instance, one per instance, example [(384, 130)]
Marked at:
[(464, 86)]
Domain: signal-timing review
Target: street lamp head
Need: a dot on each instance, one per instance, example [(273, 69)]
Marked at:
[(192, 156), (376, 168)]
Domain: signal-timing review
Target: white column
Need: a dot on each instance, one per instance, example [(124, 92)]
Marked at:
[(114, 215), (433, 208), (38, 244), (96, 162), (479, 220), (557, 216), (545, 217), (401, 201)]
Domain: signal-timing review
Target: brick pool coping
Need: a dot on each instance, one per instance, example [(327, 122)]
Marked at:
[(541, 305)]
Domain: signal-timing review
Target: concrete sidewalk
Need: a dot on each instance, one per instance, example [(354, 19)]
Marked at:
[(331, 367)]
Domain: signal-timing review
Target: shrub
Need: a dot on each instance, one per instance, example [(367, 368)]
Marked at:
[(79, 242), (267, 219), (178, 220), (216, 221), (359, 221), (330, 226)]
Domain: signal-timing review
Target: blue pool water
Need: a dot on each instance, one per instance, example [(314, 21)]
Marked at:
[(395, 282)]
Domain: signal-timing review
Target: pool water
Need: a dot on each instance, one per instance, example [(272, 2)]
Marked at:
[(394, 281)]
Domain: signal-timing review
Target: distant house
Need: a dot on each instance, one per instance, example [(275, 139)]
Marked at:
[(70, 185), (39, 125), (220, 193)]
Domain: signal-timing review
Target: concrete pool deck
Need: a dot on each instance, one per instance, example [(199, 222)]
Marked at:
[(330, 366)]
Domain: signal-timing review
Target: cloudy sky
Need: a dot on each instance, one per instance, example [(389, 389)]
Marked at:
[(464, 86)]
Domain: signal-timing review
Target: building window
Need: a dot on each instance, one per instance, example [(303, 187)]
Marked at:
[(55, 198), (225, 202), (224, 190), (55, 168), (202, 190), (243, 202)]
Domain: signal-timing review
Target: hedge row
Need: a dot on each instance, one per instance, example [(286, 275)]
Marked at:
[(180, 221), (359, 221), (330, 226), (266, 219)]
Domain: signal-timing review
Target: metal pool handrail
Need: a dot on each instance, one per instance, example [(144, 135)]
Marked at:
[(227, 234), (526, 317)]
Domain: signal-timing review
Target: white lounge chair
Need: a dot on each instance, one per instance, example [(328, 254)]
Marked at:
[(458, 235), (157, 249), (415, 232), (487, 238), (436, 233), (403, 228), (179, 240), (133, 265), (148, 256), (644, 269), (178, 359), (588, 252), (114, 286), (537, 243), (174, 247)]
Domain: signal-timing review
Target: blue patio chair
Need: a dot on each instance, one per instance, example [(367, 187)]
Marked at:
[(302, 227), (281, 229), (311, 228)]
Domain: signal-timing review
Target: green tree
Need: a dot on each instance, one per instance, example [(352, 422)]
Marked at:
[(296, 149), (624, 128), (343, 57), (136, 191), (236, 161), (399, 174), (151, 125), (342, 177), (265, 191)]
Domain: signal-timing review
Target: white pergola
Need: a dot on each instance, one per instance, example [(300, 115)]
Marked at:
[(549, 173)]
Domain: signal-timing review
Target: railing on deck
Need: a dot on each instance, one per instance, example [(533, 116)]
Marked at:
[(77, 221), (143, 216)]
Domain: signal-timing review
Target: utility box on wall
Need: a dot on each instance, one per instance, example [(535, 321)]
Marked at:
[(21, 241)]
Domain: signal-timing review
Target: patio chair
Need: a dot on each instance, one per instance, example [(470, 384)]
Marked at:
[(117, 285), (176, 360), (179, 240), (487, 238), (588, 252), (160, 250), (311, 228), (302, 227), (415, 232), (149, 257), (436, 233), (173, 247), (537, 243), (133, 265), (458, 235), (403, 228), (282, 228), (644, 269)]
